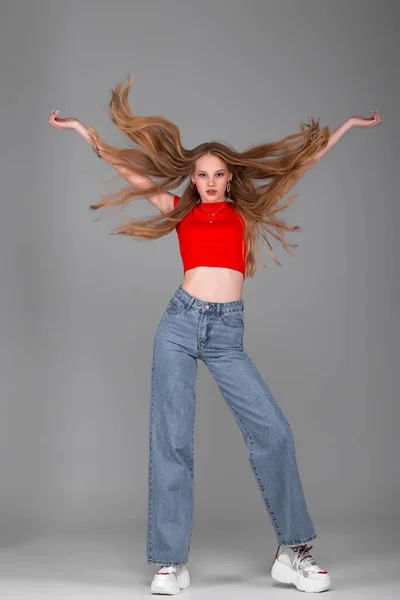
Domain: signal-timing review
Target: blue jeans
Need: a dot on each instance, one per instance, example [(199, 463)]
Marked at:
[(192, 329)]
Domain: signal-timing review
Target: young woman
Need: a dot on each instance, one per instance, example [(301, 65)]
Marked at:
[(219, 218)]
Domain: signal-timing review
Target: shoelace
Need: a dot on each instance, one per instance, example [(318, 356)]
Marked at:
[(302, 557), (168, 568)]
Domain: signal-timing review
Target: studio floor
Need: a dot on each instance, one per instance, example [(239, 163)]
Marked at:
[(226, 561)]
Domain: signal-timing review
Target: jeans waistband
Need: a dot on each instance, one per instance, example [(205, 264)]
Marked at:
[(219, 307)]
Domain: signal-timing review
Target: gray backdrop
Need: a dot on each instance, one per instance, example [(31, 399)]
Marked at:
[(79, 308)]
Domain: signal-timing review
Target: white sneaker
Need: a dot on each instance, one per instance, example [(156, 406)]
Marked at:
[(170, 579), (295, 565)]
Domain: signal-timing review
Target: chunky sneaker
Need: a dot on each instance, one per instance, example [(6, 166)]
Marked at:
[(170, 579), (295, 565)]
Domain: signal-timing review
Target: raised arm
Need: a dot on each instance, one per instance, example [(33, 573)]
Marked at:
[(351, 123), (164, 201), (338, 133)]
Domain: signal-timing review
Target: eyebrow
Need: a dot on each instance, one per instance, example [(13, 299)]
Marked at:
[(215, 171)]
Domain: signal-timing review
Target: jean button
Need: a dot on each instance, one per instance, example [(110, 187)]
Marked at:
[(207, 306)]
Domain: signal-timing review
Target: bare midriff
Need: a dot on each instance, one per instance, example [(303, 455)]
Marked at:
[(214, 284)]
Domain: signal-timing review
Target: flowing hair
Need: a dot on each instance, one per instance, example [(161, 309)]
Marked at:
[(261, 175)]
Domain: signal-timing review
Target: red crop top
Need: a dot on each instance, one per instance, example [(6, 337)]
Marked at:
[(217, 244)]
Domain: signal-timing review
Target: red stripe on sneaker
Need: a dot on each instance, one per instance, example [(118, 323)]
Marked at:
[(323, 572), (276, 554)]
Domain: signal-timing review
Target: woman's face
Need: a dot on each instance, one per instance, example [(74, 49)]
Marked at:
[(211, 173)]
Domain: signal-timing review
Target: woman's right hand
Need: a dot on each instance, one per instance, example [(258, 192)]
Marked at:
[(67, 123)]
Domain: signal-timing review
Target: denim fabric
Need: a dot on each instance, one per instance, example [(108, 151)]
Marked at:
[(192, 329)]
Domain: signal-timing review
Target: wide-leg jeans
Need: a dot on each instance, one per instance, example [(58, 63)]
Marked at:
[(193, 329)]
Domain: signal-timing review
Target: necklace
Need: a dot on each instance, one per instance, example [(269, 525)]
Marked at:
[(214, 213)]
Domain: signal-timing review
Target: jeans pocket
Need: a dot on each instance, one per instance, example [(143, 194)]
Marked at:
[(176, 305), (233, 319)]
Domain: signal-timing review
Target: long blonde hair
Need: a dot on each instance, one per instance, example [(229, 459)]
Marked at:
[(160, 155)]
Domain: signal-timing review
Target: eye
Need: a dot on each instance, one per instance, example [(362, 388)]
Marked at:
[(219, 174)]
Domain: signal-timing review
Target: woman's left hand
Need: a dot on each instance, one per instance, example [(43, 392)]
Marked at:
[(372, 121)]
